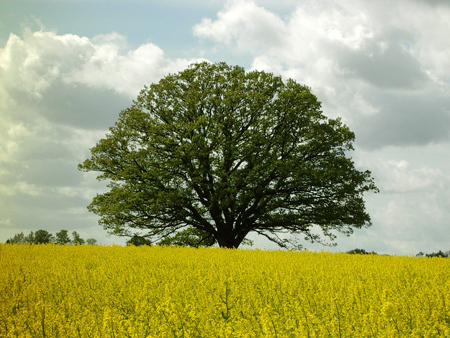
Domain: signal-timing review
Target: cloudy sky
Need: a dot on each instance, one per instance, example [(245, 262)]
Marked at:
[(67, 68)]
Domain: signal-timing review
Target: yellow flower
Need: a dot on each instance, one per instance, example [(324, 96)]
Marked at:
[(114, 291)]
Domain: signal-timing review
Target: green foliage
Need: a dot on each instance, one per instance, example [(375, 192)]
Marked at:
[(76, 239), (190, 237), (91, 241), (434, 254), (38, 237), (361, 252), (62, 237), (438, 254), (138, 240), (228, 153), (45, 237), (30, 238), (17, 239)]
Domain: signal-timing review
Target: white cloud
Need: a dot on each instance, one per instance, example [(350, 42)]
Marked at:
[(57, 91), (397, 176), (429, 27), (58, 96), (409, 224), (126, 73), (385, 74), (5, 221), (343, 38), (20, 187), (245, 24), (32, 64), (361, 105)]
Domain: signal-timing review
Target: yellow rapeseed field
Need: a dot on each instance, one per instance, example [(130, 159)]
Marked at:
[(114, 291)]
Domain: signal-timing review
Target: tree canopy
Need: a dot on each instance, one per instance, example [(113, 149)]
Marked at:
[(228, 152)]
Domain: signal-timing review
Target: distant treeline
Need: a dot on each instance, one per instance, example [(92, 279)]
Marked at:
[(420, 254), (361, 252), (185, 238), (45, 237), (435, 254)]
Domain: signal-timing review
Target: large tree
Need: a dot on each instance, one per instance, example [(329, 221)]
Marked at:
[(228, 152)]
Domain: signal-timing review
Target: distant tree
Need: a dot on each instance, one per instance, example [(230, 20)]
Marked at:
[(76, 239), (91, 241), (420, 254), (228, 152), (137, 240), (437, 254), (361, 252), (43, 237), (39, 237), (30, 238), (62, 237), (17, 239)]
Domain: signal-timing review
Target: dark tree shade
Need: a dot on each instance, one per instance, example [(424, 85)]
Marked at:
[(229, 153), (138, 241), (192, 237)]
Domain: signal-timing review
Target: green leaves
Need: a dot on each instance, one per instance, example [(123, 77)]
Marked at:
[(228, 152)]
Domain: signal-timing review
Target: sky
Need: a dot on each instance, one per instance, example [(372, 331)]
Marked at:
[(68, 67)]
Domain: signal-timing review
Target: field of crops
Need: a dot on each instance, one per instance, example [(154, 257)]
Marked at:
[(114, 291)]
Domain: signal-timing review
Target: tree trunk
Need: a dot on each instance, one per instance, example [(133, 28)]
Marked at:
[(228, 242), (231, 241)]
